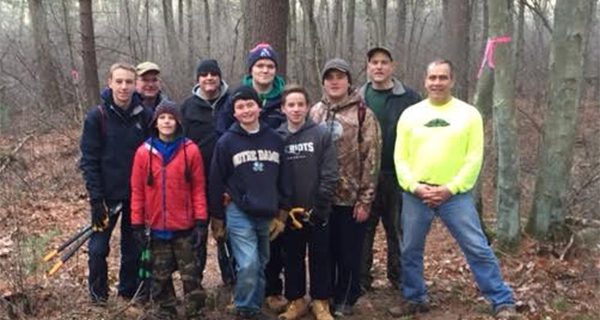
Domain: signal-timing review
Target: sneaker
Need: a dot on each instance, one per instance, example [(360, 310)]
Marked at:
[(320, 309), (276, 303), (342, 310), (506, 312), (296, 309), (407, 308)]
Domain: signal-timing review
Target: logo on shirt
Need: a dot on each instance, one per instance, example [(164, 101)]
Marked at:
[(295, 149), (258, 166), (335, 128), (437, 123), (255, 156)]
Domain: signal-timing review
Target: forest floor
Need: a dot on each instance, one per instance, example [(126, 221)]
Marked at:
[(43, 201)]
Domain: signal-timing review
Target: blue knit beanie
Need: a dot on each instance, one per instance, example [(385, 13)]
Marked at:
[(262, 50)]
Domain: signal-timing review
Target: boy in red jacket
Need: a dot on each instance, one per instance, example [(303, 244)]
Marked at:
[(168, 199)]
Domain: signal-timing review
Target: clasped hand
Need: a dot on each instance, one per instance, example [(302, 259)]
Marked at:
[(433, 196)]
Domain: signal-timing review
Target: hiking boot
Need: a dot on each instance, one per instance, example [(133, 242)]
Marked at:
[(296, 309), (407, 308), (342, 310), (506, 312), (276, 303), (320, 309)]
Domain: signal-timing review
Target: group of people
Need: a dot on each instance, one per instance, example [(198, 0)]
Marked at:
[(275, 177)]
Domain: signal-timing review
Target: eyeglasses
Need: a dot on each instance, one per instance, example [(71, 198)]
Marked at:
[(212, 73)]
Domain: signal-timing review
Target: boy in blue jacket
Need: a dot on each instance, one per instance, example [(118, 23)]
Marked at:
[(247, 165)]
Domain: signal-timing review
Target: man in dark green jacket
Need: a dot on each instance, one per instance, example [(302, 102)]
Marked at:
[(388, 97)]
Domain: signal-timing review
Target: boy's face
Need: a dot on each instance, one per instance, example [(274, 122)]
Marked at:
[(336, 84), (246, 112), (166, 125), (122, 83), (295, 108), (263, 72)]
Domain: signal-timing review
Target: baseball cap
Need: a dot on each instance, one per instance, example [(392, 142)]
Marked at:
[(383, 49), (146, 66)]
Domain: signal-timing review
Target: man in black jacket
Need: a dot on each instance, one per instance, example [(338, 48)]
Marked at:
[(112, 132), (388, 97), (199, 111)]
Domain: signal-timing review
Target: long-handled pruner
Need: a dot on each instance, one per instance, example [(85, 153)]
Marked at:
[(75, 242)]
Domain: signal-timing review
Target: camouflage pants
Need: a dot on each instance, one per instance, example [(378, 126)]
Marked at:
[(168, 255)]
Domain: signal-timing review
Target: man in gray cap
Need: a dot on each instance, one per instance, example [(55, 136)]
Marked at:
[(388, 97)]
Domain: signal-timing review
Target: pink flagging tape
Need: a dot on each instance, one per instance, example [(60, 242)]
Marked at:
[(488, 55)]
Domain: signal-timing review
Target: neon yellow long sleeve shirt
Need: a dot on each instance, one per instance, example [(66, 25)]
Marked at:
[(439, 144)]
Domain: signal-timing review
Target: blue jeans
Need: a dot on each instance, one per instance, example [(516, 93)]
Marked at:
[(249, 239), (99, 248), (460, 217)]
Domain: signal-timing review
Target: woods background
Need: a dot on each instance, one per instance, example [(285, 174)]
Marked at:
[(541, 104)]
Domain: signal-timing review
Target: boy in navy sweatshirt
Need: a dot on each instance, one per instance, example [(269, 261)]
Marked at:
[(310, 154), (247, 165)]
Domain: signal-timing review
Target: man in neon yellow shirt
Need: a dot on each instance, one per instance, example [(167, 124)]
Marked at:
[(438, 156)]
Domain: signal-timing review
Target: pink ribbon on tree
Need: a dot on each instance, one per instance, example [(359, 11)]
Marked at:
[(490, 48)]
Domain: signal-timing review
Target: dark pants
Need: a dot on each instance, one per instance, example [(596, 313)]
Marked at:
[(226, 264), (386, 207), (99, 248), (274, 268), (346, 239), (167, 255), (295, 242)]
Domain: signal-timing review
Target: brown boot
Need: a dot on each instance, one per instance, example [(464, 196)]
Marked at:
[(320, 308), (296, 309), (276, 303)]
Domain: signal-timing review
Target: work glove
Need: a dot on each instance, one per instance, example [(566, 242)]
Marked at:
[(277, 225), (99, 215), (200, 234), (217, 227), (139, 235)]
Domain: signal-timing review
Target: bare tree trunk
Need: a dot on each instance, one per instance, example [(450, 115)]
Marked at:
[(148, 28), (484, 99), (207, 27), (399, 41), (180, 18), (371, 23), (350, 13), (293, 43), (337, 28), (190, 34), (317, 53), (50, 90), (382, 22), (520, 42), (88, 50), (505, 126), (172, 41), (265, 17), (571, 26), (456, 34)]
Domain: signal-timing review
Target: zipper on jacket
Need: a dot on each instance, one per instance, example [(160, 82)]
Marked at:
[(164, 194)]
